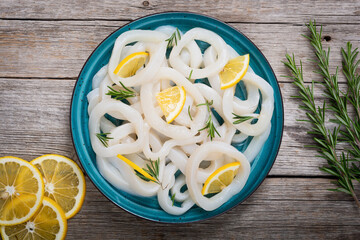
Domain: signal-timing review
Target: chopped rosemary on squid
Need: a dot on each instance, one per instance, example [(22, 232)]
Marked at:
[(239, 119), (153, 170), (174, 37), (209, 125), (189, 113), (121, 94), (103, 138), (190, 75), (173, 198)]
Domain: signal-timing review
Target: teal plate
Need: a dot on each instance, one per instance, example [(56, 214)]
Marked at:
[(149, 208)]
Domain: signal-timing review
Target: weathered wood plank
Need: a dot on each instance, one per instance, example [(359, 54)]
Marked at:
[(235, 11), (282, 208), (52, 39), (34, 117), (59, 49)]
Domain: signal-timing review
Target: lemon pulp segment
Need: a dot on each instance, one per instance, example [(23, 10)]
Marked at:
[(234, 71), (171, 102), (64, 182), (49, 222), (131, 64), (221, 178), (21, 190)]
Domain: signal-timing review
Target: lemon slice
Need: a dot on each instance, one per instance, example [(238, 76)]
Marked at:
[(129, 65), (234, 71), (221, 178), (64, 182), (171, 102), (21, 190), (49, 222), (136, 167)]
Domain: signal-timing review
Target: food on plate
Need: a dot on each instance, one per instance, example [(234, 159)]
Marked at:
[(166, 115)]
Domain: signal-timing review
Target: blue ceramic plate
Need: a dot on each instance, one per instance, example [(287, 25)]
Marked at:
[(149, 208)]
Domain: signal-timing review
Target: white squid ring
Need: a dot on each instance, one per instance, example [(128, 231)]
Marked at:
[(207, 36), (131, 115), (236, 185), (157, 55)]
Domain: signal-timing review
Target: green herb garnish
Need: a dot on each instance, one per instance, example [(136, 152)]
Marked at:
[(190, 75), (173, 198), (153, 170), (173, 37), (103, 138), (189, 113), (342, 164), (122, 93), (240, 119), (209, 125)]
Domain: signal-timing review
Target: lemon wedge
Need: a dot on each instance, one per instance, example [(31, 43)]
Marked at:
[(221, 178), (49, 222), (64, 182), (136, 167), (171, 102), (129, 65), (234, 71), (21, 190)]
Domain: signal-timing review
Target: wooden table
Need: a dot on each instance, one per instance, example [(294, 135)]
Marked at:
[(43, 45)]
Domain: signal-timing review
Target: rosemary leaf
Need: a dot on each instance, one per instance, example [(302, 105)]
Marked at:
[(173, 198), (240, 119), (142, 176), (178, 32), (122, 93), (103, 138), (173, 38), (153, 170), (189, 113), (209, 125), (190, 75)]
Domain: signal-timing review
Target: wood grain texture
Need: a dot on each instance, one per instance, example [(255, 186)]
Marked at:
[(59, 49), (277, 11), (282, 208), (36, 119), (44, 44)]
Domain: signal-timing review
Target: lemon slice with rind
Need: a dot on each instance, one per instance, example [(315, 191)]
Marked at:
[(49, 222), (21, 190), (171, 102), (221, 178), (64, 182), (234, 71), (131, 64)]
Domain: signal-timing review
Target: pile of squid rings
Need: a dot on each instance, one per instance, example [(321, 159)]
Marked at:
[(187, 156)]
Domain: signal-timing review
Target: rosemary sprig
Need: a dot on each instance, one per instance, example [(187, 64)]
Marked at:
[(209, 125), (239, 119), (153, 170), (189, 113), (326, 139), (103, 138), (174, 37), (122, 93), (173, 198), (350, 130)]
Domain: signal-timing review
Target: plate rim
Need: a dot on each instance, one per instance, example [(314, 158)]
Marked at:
[(206, 217)]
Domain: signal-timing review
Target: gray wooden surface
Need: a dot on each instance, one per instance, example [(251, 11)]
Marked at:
[(43, 45)]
